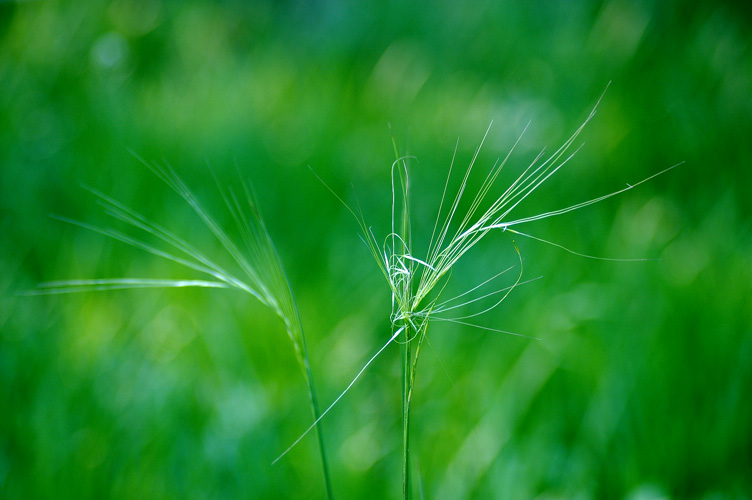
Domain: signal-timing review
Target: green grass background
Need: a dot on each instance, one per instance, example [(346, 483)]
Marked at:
[(640, 386)]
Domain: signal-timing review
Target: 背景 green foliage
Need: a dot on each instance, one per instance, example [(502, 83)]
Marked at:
[(638, 387)]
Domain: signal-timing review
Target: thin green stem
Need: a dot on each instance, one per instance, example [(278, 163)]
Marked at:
[(419, 334), (312, 395), (407, 368), (319, 427)]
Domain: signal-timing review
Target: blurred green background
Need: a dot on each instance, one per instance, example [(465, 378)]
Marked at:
[(640, 386)]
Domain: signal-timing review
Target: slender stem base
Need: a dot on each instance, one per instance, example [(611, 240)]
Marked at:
[(319, 429), (407, 376)]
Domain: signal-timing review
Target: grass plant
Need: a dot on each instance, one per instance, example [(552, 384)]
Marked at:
[(416, 280), (263, 276)]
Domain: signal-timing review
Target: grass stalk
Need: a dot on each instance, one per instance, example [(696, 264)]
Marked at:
[(317, 418), (406, 393)]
